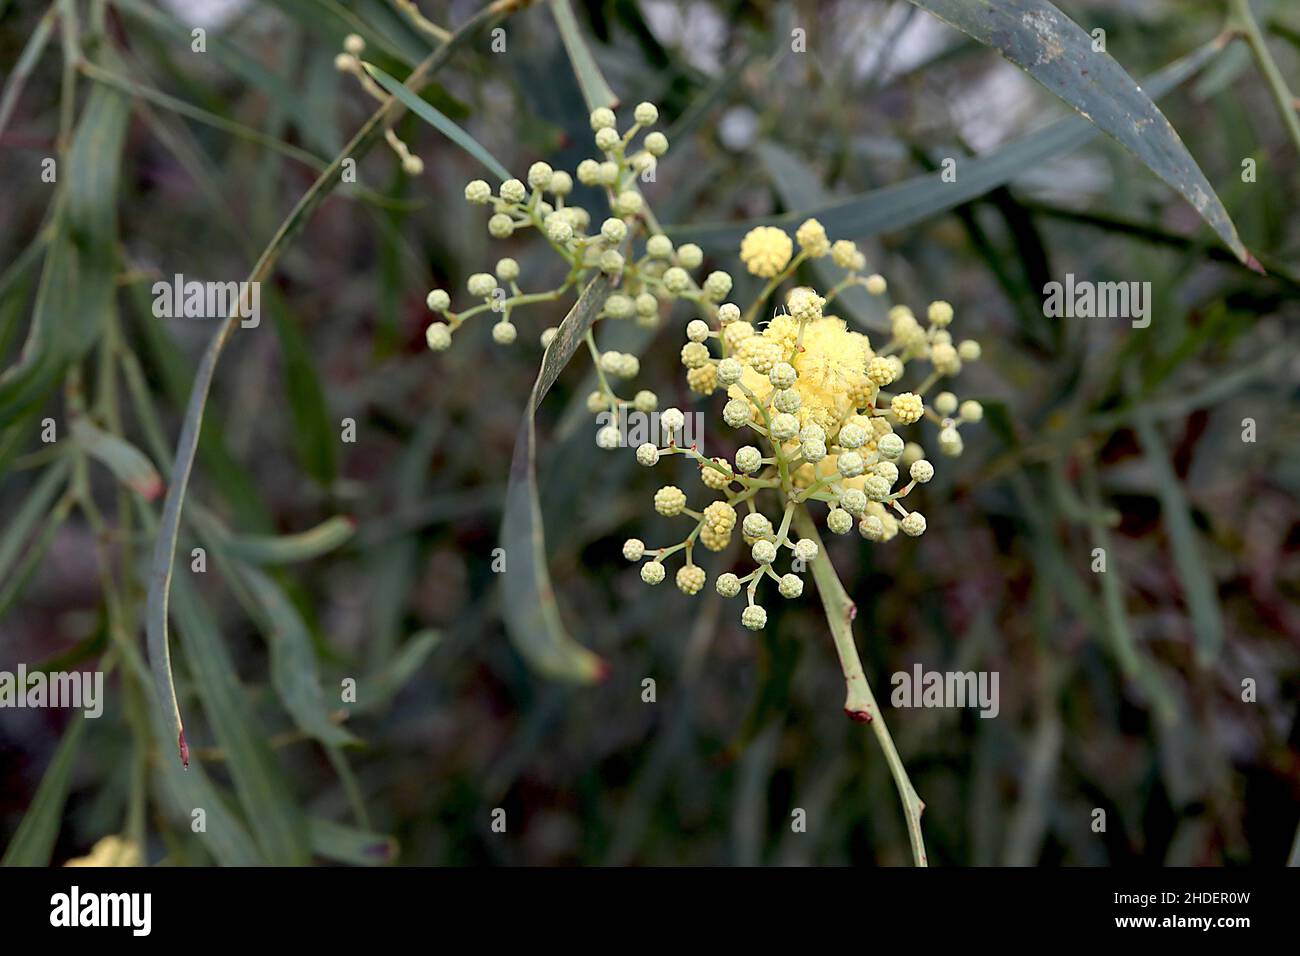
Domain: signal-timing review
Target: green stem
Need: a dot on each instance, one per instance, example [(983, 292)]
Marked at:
[(1244, 21), (859, 702)]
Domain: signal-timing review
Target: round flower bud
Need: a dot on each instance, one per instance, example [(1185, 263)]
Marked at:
[(811, 237), (629, 203), (805, 550), (670, 500), (717, 286), (844, 254), (839, 521), (438, 335), (813, 451), (645, 401), (633, 549), (619, 306), (354, 44), (548, 336), (850, 464), (481, 285), (749, 459), (504, 333), (728, 312), (606, 139), (812, 432), (643, 162), (613, 230), (672, 420), (647, 114), (971, 411), (911, 452), (854, 501), (501, 226), (907, 408), (438, 300), (728, 585), (876, 284), (597, 402), (608, 438), (729, 371), (871, 528), (647, 454), (690, 256), (969, 350), (477, 191), (659, 247), (608, 173), (852, 436), (656, 143), (589, 172), (876, 488), (507, 270), (890, 446), (717, 475), (940, 314), (784, 427), (945, 403), (539, 175), (647, 305), (754, 617), (914, 524), (736, 412), (676, 280), (690, 579), (944, 358), (412, 165), (787, 400), (950, 442), (783, 375), (602, 118), (736, 332), (880, 370), (611, 263), (756, 525), (697, 330), (652, 572), (887, 470), (765, 251), (791, 586), (763, 551), (558, 230), (695, 354), (921, 471), (611, 362), (512, 190), (561, 183)]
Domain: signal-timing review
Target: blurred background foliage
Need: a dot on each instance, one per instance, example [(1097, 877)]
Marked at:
[(1120, 691)]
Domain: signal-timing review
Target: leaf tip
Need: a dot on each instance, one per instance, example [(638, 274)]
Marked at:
[(184, 749)]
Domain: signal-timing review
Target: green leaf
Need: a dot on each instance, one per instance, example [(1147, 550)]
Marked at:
[(591, 81), (917, 199), (375, 691), (19, 523), (345, 844), (438, 121), (313, 437), (294, 671), (127, 463), (263, 790), (292, 548), (1199, 588), (1058, 53), (34, 842), (528, 601)]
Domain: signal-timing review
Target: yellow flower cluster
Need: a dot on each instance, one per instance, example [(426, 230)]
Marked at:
[(765, 251)]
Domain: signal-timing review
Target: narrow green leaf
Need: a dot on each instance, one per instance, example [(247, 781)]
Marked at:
[(22, 69), (345, 844), (34, 842), (263, 790), (1199, 589), (438, 121), (292, 548), (127, 463), (592, 82), (294, 671), (313, 436), (915, 200), (528, 601), (19, 523), (1059, 54), (374, 692)]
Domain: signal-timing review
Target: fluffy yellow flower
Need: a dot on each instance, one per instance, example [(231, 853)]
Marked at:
[(832, 367), (812, 238), (111, 851), (765, 251)]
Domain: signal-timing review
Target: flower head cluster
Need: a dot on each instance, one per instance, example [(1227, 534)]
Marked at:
[(823, 408)]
